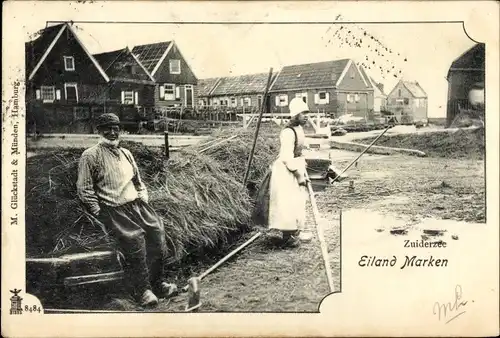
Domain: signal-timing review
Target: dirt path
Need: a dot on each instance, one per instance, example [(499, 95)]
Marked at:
[(394, 192)]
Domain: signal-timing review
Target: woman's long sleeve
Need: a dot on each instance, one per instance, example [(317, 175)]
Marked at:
[(287, 142)]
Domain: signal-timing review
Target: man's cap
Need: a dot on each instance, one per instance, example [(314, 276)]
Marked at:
[(297, 106), (108, 119)]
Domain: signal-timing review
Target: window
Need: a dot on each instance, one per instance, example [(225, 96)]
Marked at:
[(356, 97), (351, 74), (417, 102), (234, 103), (406, 101), (128, 97), (282, 100), (248, 101), (350, 98), (167, 92), (201, 102), (48, 93), (175, 66), (71, 92), (399, 92), (69, 63), (322, 98), (302, 95)]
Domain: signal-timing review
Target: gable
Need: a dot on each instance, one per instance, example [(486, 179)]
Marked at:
[(122, 65), (35, 49), (50, 67), (353, 79), (415, 89), (404, 91), (205, 86), (151, 54), (163, 74)]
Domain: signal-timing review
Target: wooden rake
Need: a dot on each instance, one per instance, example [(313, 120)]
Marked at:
[(192, 287)]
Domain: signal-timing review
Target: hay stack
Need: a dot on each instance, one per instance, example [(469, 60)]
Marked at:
[(233, 154), (199, 197)]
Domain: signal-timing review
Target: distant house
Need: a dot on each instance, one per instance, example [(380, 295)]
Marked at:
[(379, 97), (240, 92), (175, 80), (408, 102), (67, 87), (333, 87), (466, 72), (204, 90)]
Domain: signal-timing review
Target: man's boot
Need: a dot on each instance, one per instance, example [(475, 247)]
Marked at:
[(148, 299), (167, 290)]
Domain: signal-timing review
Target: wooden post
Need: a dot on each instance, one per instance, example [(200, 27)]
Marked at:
[(167, 150), (257, 129)]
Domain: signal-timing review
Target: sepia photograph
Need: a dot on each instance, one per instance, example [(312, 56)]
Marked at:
[(186, 177), (264, 164)]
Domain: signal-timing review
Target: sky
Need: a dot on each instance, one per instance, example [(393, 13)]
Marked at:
[(419, 52)]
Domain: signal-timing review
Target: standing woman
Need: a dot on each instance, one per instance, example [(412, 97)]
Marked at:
[(281, 202)]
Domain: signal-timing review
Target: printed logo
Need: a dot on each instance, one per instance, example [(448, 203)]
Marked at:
[(16, 303)]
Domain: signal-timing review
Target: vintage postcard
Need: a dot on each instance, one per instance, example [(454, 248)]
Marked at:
[(260, 168)]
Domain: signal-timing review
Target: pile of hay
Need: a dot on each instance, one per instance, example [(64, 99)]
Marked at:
[(199, 196), (233, 154)]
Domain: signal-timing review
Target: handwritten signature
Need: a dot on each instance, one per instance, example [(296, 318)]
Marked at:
[(454, 309)]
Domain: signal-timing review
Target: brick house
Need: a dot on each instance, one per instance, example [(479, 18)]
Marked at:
[(333, 87)]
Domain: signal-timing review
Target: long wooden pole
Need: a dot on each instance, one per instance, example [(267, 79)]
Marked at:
[(231, 254), (167, 147), (225, 258), (364, 151), (218, 143), (264, 101), (324, 249)]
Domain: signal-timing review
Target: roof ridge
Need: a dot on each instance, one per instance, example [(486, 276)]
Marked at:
[(111, 51), (242, 75), (154, 43), (317, 63)]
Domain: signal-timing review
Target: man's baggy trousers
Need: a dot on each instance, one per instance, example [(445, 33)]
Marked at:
[(139, 233)]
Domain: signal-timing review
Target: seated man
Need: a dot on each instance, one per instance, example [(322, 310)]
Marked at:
[(110, 186)]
